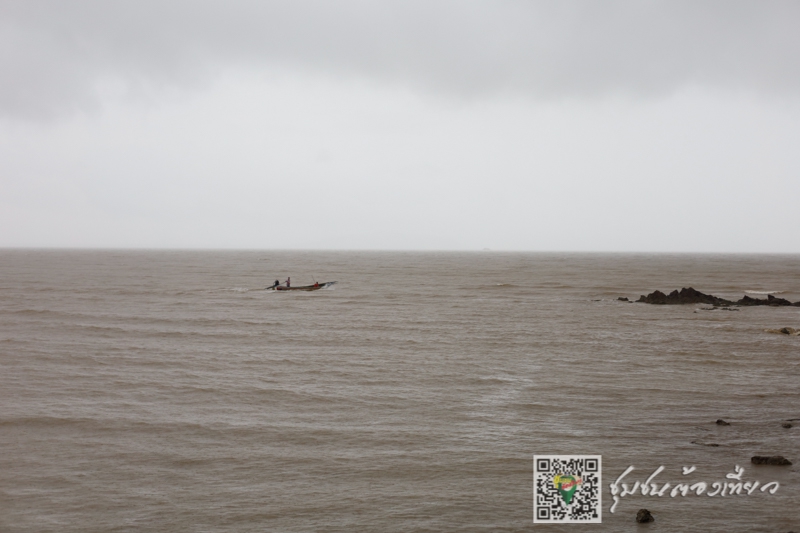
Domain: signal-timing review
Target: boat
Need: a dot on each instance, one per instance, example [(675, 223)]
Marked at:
[(315, 287)]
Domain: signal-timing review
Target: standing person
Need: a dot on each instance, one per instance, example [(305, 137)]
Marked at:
[(288, 282)]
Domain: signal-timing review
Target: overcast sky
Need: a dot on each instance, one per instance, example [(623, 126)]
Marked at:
[(575, 126)]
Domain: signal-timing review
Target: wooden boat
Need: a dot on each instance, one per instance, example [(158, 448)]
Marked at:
[(303, 288)]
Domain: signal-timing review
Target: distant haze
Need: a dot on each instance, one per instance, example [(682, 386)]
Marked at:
[(585, 126)]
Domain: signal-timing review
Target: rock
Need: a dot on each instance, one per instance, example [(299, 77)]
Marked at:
[(712, 444), (623, 299), (721, 422), (644, 516), (777, 460), (785, 331), (770, 300), (682, 297), (786, 425), (692, 296), (655, 297)]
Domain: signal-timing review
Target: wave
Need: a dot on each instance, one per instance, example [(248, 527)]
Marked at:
[(764, 292), (234, 289)]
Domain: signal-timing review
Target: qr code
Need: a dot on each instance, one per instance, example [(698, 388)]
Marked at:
[(566, 488)]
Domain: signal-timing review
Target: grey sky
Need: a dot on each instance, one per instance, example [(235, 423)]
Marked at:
[(641, 125)]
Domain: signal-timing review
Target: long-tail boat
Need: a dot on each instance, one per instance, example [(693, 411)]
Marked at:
[(315, 287)]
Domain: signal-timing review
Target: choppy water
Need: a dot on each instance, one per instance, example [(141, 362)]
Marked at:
[(162, 391)]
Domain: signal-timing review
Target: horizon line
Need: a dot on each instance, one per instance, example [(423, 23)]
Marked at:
[(376, 250)]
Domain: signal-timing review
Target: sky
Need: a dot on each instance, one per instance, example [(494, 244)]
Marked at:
[(637, 126)]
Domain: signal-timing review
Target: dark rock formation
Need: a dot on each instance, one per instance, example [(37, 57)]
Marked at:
[(655, 297), (777, 460), (692, 296), (721, 422), (684, 296), (644, 516), (770, 300), (622, 299)]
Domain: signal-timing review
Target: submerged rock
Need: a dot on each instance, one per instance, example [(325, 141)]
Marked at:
[(777, 460), (785, 331), (622, 299), (644, 516), (786, 425), (721, 422)]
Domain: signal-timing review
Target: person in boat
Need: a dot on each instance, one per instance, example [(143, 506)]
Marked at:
[(288, 282), (316, 284), (276, 283)]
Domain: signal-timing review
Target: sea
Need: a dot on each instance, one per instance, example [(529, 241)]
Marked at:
[(150, 391)]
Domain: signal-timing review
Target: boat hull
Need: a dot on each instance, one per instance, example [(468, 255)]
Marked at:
[(303, 288)]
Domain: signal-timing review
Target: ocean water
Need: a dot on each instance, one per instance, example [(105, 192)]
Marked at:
[(165, 391)]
